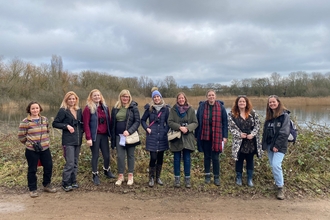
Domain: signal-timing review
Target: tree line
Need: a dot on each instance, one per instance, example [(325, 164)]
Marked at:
[(47, 83)]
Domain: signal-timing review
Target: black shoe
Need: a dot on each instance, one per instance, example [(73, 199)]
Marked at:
[(108, 174), (217, 180), (67, 188), (96, 179)]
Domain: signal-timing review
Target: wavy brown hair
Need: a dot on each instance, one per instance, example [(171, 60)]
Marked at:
[(235, 109)]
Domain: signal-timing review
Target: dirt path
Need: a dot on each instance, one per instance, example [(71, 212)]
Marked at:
[(105, 205)]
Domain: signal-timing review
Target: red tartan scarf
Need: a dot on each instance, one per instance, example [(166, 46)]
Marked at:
[(216, 126)]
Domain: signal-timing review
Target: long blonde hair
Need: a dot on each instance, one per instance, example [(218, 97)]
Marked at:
[(91, 105), (123, 93), (64, 103)]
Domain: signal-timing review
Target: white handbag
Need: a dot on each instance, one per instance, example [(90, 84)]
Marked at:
[(171, 135), (133, 138)]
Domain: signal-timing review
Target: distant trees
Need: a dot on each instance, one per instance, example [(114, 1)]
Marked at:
[(20, 81)]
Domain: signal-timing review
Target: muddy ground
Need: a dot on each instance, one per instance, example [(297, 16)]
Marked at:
[(130, 204)]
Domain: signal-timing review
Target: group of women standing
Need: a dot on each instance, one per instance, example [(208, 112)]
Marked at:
[(209, 127)]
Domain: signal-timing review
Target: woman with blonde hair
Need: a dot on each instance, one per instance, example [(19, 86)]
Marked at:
[(97, 131), (244, 124), (125, 120), (69, 120), (156, 113)]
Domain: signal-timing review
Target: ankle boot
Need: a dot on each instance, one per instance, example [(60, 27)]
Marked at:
[(207, 178), (108, 173), (280, 193), (177, 181), (151, 176), (96, 179), (158, 172), (216, 180), (249, 178), (239, 178), (187, 181)]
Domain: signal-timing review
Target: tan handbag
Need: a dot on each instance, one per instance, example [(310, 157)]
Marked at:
[(171, 135), (133, 138)]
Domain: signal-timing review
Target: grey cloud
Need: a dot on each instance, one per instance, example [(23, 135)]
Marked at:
[(194, 41)]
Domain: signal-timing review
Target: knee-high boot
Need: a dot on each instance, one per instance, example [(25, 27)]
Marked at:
[(151, 176), (158, 172)]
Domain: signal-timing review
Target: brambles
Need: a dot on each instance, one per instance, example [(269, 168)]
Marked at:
[(306, 169)]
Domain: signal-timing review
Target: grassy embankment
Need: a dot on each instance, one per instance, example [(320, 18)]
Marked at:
[(306, 165)]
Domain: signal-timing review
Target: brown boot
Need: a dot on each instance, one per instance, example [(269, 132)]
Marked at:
[(280, 193)]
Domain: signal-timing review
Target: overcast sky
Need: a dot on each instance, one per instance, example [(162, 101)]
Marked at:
[(213, 41)]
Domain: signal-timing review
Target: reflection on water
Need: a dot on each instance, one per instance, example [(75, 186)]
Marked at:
[(316, 114)]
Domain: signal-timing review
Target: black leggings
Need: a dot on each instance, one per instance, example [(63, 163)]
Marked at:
[(156, 157), (249, 162)]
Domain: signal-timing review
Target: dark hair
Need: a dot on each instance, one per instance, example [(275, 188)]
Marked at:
[(235, 109), (29, 107)]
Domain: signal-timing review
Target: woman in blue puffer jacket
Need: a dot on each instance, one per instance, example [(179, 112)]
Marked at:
[(156, 142)]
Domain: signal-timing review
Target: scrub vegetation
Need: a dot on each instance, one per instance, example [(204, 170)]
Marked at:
[(306, 169)]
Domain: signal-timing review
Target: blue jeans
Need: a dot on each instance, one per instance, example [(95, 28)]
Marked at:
[(275, 162), (186, 162), (211, 155)]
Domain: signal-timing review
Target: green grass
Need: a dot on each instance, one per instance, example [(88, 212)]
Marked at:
[(306, 169)]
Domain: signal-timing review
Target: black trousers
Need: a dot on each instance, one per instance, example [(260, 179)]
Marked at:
[(46, 160)]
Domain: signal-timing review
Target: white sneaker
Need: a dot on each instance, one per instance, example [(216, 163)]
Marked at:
[(130, 179), (120, 180)]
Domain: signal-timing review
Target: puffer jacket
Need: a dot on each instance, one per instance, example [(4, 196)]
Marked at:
[(64, 118), (279, 129), (132, 121), (236, 134), (187, 141), (157, 139)]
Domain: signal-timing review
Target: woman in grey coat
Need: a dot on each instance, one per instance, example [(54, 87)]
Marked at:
[(182, 118)]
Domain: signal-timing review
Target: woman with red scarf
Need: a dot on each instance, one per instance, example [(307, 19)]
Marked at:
[(211, 134)]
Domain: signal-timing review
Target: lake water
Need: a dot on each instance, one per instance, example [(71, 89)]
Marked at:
[(317, 114)]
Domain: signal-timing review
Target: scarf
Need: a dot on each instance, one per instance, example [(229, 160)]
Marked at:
[(158, 107), (214, 124), (182, 110)]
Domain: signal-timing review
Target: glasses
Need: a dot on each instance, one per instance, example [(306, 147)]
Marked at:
[(273, 96), (125, 96)]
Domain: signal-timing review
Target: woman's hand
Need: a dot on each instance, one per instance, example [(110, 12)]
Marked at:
[(275, 149), (148, 130), (89, 143), (224, 140), (243, 135), (183, 129), (70, 128), (250, 136), (125, 133)]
